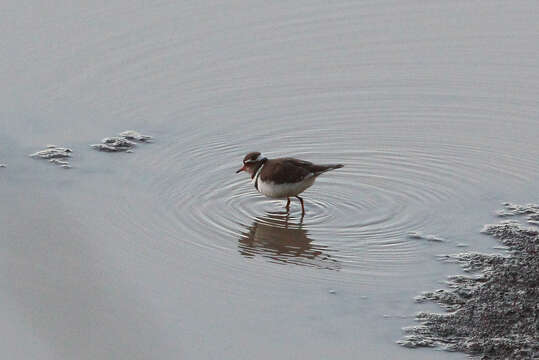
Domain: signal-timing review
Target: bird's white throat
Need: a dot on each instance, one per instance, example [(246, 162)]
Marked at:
[(257, 174)]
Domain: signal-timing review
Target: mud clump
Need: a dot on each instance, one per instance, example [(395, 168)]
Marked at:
[(55, 154), (136, 136), (494, 312), (531, 210), (125, 141), (511, 209), (113, 144)]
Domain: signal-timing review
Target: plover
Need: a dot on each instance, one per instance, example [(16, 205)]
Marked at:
[(282, 178)]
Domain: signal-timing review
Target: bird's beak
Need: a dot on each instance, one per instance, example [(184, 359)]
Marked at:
[(240, 170)]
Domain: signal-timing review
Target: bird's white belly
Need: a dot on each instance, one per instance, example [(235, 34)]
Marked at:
[(282, 191)]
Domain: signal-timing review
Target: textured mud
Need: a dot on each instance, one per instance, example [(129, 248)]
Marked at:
[(125, 141), (55, 154), (134, 135), (530, 210), (493, 312)]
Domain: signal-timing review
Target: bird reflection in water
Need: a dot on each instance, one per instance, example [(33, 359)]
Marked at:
[(282, 239)]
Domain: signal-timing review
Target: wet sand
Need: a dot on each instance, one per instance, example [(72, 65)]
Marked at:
[(492, 312)]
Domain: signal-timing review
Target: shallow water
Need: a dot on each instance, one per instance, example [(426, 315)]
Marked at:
[(166, 252)]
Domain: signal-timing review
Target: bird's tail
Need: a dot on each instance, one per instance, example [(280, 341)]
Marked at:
[(319, 169)]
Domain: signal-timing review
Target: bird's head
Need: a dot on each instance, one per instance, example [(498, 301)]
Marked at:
[(251, 163)]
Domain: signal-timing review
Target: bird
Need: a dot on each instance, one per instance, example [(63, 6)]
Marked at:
[(283, 178)]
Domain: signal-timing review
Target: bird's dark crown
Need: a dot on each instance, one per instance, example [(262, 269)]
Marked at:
[(252, 157)]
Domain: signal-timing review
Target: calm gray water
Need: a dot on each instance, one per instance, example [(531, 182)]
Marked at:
[(167, 253)]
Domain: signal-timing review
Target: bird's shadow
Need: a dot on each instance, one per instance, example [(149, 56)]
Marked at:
[(281, 238)]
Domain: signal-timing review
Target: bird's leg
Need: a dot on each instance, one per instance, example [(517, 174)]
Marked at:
[(288, 205), (302, 207)]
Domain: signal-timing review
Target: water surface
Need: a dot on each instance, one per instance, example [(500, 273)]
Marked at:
[(167, 253)]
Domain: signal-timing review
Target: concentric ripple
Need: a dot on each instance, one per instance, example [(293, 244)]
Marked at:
[(358, 217)]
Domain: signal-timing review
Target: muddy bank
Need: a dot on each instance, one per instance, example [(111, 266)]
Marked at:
[(125, 141), (55, 154), (493, 311)]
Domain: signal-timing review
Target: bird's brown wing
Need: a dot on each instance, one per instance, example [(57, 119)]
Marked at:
[(313, 168), (286, 170)]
